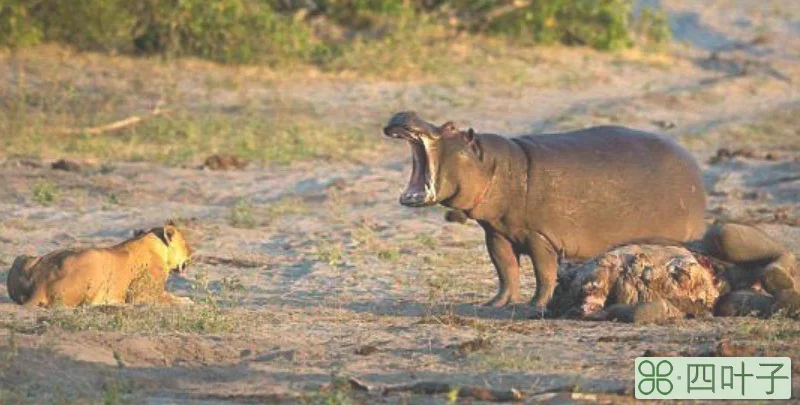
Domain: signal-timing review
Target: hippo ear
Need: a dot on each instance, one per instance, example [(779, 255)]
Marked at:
[(448, 129), (474, 145), (469, 135)]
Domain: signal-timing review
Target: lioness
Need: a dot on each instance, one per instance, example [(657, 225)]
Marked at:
[(133, 271)]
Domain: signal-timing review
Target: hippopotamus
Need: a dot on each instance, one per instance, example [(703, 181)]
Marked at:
[(568, 195)]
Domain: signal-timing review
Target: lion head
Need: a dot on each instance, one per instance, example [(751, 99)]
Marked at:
[(178, 254)]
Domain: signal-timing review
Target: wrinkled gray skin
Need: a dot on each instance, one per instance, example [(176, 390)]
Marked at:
[(570, 195)]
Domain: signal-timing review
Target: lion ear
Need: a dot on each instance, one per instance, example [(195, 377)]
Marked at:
[(165, 234), (169, 233)]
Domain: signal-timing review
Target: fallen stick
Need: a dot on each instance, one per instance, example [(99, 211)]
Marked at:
[(576, 389), (479, 393), (503, 10), (434, 388), (779, 180), (113, 126), (224, 261)]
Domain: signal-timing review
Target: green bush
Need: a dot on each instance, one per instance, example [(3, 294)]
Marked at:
[(239, 31), (272, 31), (17, 26), (652, 27), (232, 31), (601, 24), (94, 24)]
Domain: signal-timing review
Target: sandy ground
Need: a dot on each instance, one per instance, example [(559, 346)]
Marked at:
[(332, 278)]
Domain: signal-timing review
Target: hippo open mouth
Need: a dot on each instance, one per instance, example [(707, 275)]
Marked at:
[(420, 191)]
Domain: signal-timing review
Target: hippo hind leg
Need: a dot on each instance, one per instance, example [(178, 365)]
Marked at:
[(750, 247), (643, 313), (787, 304), (545, 267), (744, 303)]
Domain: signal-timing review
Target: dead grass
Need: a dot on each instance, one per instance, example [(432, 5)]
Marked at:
[(507, 360), (330, 252), (45, 193), (185, 137), (780, 129), (196, 319), (241, 214), (245, 214), (52, 90), (247, 111), (777, 130)]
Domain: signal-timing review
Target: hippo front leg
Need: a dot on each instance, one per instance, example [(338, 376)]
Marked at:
[(545, 266), (506, 261)]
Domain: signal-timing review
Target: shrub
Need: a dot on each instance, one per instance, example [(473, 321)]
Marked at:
[(238, 31), (97, 25), (601, 24), (652, 26), (227, 31), (17, 26), (273, 31)]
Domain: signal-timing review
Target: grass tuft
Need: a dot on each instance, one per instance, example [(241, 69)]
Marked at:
[(45, 193), (241, 214), (198, 318)]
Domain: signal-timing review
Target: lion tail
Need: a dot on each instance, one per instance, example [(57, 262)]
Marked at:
[(20, 284)]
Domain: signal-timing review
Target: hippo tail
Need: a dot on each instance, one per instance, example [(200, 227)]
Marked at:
[(456, 216), (20, 283)]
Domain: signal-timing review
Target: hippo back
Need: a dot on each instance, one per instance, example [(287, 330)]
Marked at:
[(603, 186)]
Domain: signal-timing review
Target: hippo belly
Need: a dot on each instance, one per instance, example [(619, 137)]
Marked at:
[(593, 189)]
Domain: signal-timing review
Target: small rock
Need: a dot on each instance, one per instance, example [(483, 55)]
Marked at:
[(67, 166), (224, 162), (725, 154), (338, 184), (729, 349), (656, 353), (664, 124), (471, 346), (366, 350)]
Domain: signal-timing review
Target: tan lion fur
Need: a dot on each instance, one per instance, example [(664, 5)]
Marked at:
[(133, 271)]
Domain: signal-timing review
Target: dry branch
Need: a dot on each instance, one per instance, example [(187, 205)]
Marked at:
[(113, 126), (503, 10), (479, 393), (224, 261), (435, 388)]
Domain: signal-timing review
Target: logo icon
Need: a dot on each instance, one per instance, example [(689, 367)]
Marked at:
[(749, 378), (657, 377)]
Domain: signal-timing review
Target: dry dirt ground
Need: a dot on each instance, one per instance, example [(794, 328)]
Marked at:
[(310, 273)]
